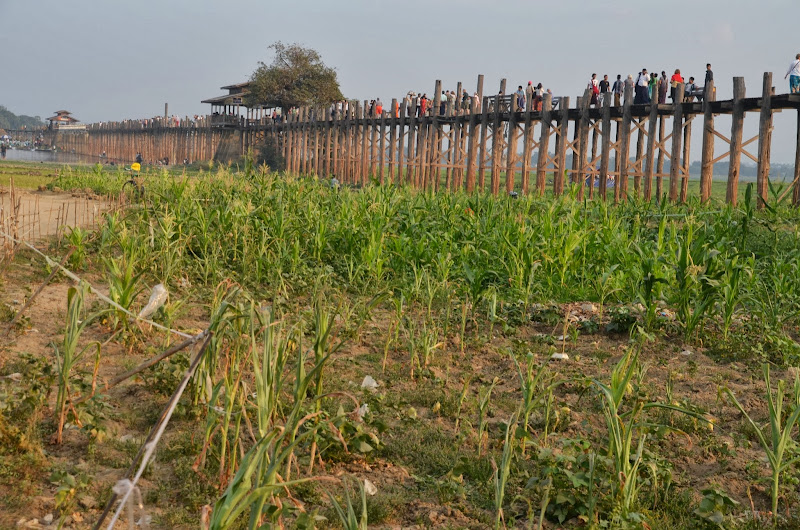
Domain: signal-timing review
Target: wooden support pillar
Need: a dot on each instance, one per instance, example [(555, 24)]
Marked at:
[(412, 146), (583, 141), (561, 148), (373, 142), (544, 142), (621, 189), (652, 123), (393, 139), (435, 136), (687, 147), (484, 133), (796, 194), (637, 177), (401, 136), (661, 154), (382, 144), (707, 156), (737, 122), (497, 139), (677, 135), (511, 149), (605, 153), (472, 148), (764, 141)]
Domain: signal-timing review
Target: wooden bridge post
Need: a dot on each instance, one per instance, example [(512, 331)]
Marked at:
[(583, 141), (621, 189), (497, 138), (287, 141), (511, 147), (796, 193), (605, 153), (651, 148), (764, 141), (707, 156), (483, 149), (662, 133), (366, 120), (382, 144), (637, 177), (472, 148), (677, 135), (336, 129), (392, 139), (411, 141), (373, 142), (436, 137), (401, 136), (421, 177), (462, 122), (687, 147), (737, 121), (544, 143), (561, 147)]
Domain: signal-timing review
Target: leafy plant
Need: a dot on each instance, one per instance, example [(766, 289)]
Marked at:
[(778, 438)]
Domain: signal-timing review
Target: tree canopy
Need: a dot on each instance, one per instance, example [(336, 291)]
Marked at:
[(297, 76), (9, 120)]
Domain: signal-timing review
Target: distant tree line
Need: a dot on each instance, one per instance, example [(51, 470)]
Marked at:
[(9, 120)]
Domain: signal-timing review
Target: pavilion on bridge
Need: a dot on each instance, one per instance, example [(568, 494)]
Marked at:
[(226, 110)]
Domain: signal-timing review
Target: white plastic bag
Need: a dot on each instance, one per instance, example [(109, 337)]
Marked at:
[(157, 298)]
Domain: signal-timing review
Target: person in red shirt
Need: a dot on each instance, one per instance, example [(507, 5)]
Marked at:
[(378, 108), (673, 83), (423, 105)]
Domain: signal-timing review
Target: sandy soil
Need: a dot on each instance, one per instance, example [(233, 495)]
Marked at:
[(30, 215)]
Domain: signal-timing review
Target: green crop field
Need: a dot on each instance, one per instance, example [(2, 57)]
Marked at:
[(383, 357)]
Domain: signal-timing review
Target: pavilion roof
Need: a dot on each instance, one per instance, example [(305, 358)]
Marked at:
[(62, 117), (237, 85)]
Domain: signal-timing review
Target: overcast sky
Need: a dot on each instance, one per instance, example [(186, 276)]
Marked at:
[(109, 60)]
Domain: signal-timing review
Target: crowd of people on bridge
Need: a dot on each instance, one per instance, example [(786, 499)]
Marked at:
[(648, 87)]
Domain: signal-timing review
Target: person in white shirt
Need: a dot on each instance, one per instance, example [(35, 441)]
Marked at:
[(594, 88), (642, 96), (794, 75)]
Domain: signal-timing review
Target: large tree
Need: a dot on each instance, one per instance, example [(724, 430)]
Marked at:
[(297, 76)]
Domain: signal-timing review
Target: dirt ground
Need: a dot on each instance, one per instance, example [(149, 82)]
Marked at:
[(30, 215), (701, 456)]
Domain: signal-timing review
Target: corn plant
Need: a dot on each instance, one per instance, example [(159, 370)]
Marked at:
[(123, 285), (778, 438), (347, 514), (627, 431), (69, 355), (484, 398), (502, 473)]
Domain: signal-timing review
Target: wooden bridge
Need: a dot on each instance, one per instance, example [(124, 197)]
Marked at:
[(490, 147)]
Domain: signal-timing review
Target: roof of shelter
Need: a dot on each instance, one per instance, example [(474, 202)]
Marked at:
[(237, 85)]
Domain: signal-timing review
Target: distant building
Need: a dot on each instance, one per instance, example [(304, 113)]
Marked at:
[(63, 120)]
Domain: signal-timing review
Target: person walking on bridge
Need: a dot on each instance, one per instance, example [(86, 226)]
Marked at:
[(618, 89), (793, 73), (663, 84)]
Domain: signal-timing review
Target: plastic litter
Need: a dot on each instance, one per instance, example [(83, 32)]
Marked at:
[(369, 383), (158, 297)]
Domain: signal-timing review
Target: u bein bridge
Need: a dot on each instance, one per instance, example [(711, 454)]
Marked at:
[(490, 146)]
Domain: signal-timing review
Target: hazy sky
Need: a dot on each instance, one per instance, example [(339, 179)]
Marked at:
[(109, 60)]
